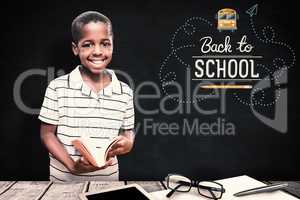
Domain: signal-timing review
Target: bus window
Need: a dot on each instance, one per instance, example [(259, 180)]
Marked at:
[(222, 16), (231, 16)]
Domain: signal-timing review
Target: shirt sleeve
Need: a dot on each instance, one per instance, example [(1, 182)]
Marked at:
[(49, 109), (128, 120)]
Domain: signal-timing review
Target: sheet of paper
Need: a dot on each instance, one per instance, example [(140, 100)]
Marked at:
[(191, 195), (293, 188), (231, 185), (237, 184)]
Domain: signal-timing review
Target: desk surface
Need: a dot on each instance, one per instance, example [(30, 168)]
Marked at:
[(47, 190)]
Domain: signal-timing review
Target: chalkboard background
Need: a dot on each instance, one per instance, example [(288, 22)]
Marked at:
[(37, 36)]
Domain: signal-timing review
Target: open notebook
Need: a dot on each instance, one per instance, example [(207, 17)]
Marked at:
[(232, 186)]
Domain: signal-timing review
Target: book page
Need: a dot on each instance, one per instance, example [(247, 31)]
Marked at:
[(97, 148)]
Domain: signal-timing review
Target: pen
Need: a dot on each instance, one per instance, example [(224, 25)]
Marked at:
[(267, 188)]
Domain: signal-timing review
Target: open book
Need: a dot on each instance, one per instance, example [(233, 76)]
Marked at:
[(93, 150)]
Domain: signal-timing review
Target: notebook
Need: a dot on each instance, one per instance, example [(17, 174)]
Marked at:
[(232, 186)]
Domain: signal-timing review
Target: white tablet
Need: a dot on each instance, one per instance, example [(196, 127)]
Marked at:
[(132, 192)]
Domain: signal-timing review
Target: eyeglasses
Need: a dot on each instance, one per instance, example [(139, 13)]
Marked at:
[(179, 183)]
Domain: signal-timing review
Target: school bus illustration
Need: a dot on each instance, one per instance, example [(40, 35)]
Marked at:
[(227, 19)]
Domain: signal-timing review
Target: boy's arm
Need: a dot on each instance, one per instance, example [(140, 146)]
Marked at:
[(51, 142), (124, 145), (49, 139)]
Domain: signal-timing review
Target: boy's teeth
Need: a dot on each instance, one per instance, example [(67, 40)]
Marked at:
[(97, 61)]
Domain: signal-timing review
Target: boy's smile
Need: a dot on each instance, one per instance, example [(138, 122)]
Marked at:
[(95, 47)]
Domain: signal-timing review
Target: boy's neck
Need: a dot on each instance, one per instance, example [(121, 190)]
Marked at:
[(96, 78), (95, 81)]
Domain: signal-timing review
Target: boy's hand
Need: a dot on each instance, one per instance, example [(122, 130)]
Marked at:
[(123, 146), (83, 166)]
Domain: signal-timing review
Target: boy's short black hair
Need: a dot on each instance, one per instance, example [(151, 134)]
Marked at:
[(85, 18)]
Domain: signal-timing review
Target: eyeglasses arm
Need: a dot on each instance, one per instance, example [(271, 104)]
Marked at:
[(173, 190), (211, 188), (212, 194), (180, 183)]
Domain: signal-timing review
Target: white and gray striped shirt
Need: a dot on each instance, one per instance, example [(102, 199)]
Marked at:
[(76, 110)]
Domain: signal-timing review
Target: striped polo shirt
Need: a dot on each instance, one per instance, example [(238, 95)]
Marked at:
[(77, 110)]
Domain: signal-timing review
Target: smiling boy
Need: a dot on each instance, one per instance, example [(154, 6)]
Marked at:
[(89, 101)]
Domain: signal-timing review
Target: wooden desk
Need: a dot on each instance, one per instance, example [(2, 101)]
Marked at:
[(46, 190)]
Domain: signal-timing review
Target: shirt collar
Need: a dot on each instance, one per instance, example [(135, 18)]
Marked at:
[(75, 81)]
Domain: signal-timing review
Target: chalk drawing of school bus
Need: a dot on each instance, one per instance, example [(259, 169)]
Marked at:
[(227, 19)]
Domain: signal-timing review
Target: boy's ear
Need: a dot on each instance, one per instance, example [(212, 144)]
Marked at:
[(75, 49)]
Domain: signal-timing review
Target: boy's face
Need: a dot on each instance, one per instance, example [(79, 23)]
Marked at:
[(95, 47)]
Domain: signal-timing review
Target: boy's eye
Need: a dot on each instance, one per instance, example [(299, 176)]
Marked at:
[(106, 44), (87, 45)]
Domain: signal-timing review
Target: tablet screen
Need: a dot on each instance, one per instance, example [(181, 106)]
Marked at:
[(131, 193)]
